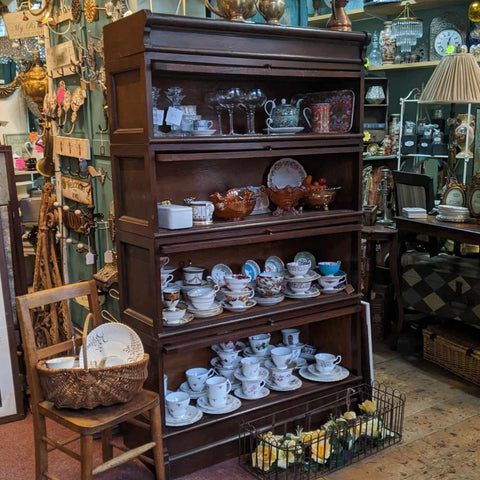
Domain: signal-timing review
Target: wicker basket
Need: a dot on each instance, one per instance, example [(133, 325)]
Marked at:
[(453, 351), (91, 387)]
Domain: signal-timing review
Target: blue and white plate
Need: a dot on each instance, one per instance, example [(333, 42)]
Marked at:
[(251, 269), (218, 273), (274, 264)]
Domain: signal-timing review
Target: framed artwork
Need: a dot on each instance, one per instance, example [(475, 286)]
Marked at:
[(473, 196), (17, 141), (455, 195)]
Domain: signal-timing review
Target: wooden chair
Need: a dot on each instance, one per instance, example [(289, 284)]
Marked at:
[(85, 423)]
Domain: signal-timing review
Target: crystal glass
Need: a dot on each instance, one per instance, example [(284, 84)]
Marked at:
[(230, 99), (375, 56), (252, 100), (213, 102), (174, 96)]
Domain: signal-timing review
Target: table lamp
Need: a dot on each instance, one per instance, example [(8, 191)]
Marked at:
[(456, 79)]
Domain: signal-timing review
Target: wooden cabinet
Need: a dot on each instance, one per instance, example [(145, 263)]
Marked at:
[(375, 116), (146, 50)]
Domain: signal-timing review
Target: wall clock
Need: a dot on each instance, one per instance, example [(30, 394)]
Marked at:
[(446, 34)]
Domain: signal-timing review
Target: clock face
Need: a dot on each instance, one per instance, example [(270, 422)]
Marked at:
[(447, 41)]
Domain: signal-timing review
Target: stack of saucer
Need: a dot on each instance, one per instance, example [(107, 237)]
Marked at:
[(253, 377), (450, 213), (238, 294)]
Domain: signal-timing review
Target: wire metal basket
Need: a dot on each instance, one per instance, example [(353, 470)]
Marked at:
[(322, 435)]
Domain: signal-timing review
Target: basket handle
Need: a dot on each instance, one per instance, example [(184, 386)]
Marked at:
[(84, 339)]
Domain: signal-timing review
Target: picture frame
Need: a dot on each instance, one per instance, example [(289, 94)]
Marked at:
[(473, 196), (455, 195), (17, 142)]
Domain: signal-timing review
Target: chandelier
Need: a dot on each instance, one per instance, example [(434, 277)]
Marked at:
[(406, 29)]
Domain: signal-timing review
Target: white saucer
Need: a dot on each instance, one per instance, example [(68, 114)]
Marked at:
[(283, 130), (192, 415), (232, 405), (188, 317), (217, 309), (216, 362), (184, 387), (263, 375), (203, 133), (250, 303), (310, 293), (249, 353), (329, 291), (270, 365), (239, 346), (337, 375), (294, 384), (263, 393), (265, 301)]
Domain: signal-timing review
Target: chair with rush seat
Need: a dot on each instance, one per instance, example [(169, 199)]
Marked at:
[(42, 339)]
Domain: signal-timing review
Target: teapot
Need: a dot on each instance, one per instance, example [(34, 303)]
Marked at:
[(236, 10), (283, 115)]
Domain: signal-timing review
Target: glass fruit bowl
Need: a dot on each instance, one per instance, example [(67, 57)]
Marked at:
[(319, 198), (235, 204), (285, 198)]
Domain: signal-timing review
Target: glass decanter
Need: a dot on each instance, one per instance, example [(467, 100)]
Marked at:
[(375, 56)]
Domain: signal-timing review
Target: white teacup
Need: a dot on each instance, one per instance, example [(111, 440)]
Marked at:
[(282, 377), (281, 356), (299, 286), (171, 297), (240, 298), (296, 350), (218, 389), (297, 269), (177, 403), (330, 282), (165, 279), (202, 298), (291, 336), (197, 376), (173, 317), (228, 359), (227, 372), (202, 211), (250, 367), (202, 124), (60, 362), (259, 343), (227, 346), (326, 362), (236, 282), (252, 387), (192, 275)]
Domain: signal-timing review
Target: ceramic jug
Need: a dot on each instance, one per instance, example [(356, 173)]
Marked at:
[(236, 10), (283, 115)]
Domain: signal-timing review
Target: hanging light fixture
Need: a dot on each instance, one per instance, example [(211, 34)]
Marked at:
[(407, 29)]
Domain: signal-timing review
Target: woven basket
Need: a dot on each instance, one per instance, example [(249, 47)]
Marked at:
[(92, 387), (452, 351)]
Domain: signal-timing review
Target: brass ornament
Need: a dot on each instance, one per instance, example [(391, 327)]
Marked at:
[(35, 82), (90, 10), (9, 88)]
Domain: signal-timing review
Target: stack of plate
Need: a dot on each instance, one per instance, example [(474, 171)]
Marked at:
[(450, 213)]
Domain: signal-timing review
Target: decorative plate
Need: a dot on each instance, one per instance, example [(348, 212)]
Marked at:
[(251, 269), (306, 256), (337, 375), (187, 318), (286, 171), (294, 384), (444, 218), (112, 340), (250, 303), (266, 301), (232, 404), (310, 293), (192, 415), (342, 105), (263, 393), (219, 271), (274, 264)]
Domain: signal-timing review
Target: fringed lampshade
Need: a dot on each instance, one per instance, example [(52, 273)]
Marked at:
[(455, 80)]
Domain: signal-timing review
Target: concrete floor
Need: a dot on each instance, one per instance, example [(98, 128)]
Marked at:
[(441, 431)]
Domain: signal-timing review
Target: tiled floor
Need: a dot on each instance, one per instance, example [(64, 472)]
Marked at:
[(441, 430)]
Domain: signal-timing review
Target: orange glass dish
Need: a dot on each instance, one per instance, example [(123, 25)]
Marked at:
[(235, 204)]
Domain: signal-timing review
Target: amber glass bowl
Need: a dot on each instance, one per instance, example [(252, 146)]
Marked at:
[(285, 198), (235, 204), (320, 197)]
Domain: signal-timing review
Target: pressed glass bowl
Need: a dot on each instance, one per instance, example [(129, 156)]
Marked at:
[(285, 198), (321, 197), (235, 204)]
